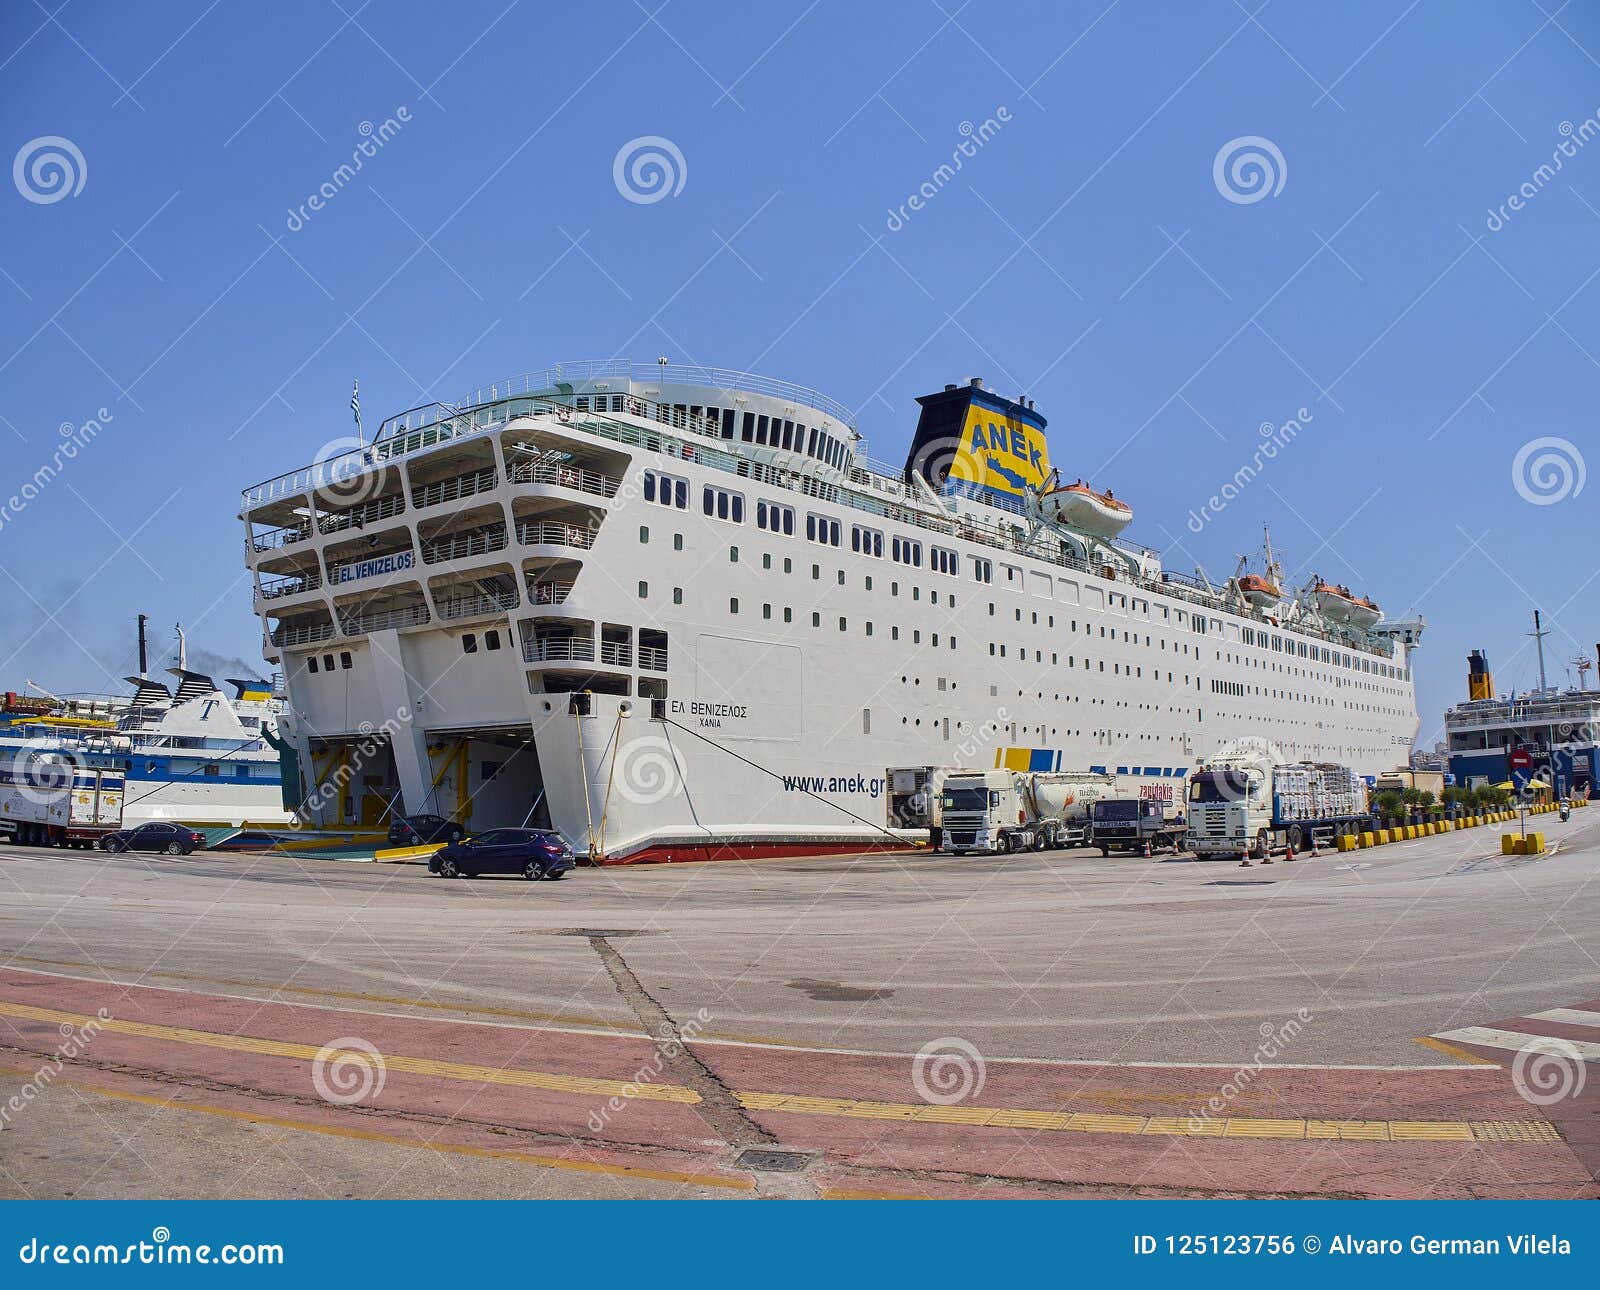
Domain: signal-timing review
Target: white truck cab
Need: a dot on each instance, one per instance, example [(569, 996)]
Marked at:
[(987, 812)]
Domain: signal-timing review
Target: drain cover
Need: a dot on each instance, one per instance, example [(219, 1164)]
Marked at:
[(773, 1162)]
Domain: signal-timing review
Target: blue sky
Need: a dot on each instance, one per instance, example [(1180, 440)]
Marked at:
[(1086, 253)]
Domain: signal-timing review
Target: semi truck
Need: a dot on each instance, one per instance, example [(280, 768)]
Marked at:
[(54, 799), (996, 812), (1141, 824), (1247, 800)]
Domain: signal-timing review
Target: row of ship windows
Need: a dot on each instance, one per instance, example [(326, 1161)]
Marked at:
[(1132, 638), (774, 517)]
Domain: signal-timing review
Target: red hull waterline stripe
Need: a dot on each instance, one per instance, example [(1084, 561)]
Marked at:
[(680, 852)]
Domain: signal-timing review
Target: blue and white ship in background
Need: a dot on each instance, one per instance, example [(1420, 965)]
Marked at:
[(188, 751)]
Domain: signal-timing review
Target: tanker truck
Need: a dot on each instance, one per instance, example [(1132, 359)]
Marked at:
[(1248, 800), (995, 812)]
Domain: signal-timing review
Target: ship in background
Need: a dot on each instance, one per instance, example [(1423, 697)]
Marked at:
[(675, 612), (189, 752), (1556, 729)]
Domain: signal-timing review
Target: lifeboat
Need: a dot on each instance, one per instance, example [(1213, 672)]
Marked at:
[(1080, 508), (1341, 605), (1261, 592)]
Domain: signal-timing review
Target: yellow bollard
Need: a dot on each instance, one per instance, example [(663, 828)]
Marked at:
[(1508, 844), (1368, 838)]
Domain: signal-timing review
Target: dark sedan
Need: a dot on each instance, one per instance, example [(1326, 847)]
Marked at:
[(174, 839), (417, 830), (534, 853)]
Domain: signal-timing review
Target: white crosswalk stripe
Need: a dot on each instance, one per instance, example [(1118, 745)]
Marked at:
[(1567, 1016), (1489, 1037)]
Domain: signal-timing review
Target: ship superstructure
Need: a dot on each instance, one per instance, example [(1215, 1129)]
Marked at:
[(676, 611)]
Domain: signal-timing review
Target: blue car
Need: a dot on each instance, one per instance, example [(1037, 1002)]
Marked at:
[(533, 853)]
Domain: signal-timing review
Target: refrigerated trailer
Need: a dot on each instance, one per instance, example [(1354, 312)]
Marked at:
[(51, 798)]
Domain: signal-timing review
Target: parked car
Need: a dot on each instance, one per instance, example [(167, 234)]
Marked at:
[(416, 830), (174, 839), (534, 853)]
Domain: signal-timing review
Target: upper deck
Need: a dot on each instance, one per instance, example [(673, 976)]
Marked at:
[(703, 415)]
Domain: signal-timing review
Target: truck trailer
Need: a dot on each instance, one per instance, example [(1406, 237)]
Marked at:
[(55, 798), (1247, 801)]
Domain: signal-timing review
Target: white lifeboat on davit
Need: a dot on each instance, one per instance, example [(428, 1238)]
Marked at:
[(1341, 605), (1080, 508)]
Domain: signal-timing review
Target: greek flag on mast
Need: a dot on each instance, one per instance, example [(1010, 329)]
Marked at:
[(355, 406)]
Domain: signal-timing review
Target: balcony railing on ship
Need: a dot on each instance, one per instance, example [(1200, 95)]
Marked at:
[(471, 606), (450, 423), (548, 593), (584, 481), (274, 538), (454, 489), (383, 620), (274, 588), (531, 533), (460, 546), (379, 508), (652, 658), (302, 633), (559, 650)]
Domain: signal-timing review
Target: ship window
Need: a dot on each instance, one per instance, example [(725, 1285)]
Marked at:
[(345, 661), (469, 643), (865, 541), (788, 615), (811, 444), (733, 604), (212, 770), (842, 624), (327, 662), (644, 590), (775, 518), (491, 639), (747, 432), (766, 611), (733, 555), (677, 541), (761, 429), (816, 620), (644, 533), (788, 434), (241, 772), (677, 595), (311, 663)]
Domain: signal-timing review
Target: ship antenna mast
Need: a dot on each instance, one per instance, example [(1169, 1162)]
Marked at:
[(1538, 633)]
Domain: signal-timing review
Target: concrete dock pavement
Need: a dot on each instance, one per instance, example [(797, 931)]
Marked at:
[(1048, 1024)]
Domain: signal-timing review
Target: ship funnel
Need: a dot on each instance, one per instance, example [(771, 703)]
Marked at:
[(977, 382), (1480, 681)]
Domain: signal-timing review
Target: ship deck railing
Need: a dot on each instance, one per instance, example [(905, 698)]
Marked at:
[(302, 634), (498, 602), (459, 546), (289, 585), (574, 477), (455, 488), (384, 620), (544, 533), (451, 423), (355, 517), (549, 592), (573, 649)]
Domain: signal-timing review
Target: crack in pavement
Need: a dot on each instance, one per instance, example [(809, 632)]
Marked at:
[(719, 1107)]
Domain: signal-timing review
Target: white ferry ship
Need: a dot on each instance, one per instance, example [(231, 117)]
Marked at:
[(190, 754), (675, 613)]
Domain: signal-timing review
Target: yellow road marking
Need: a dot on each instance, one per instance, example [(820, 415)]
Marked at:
[(392, 1061), (393, 1139), (1293, 1129), (1460, 1054)]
